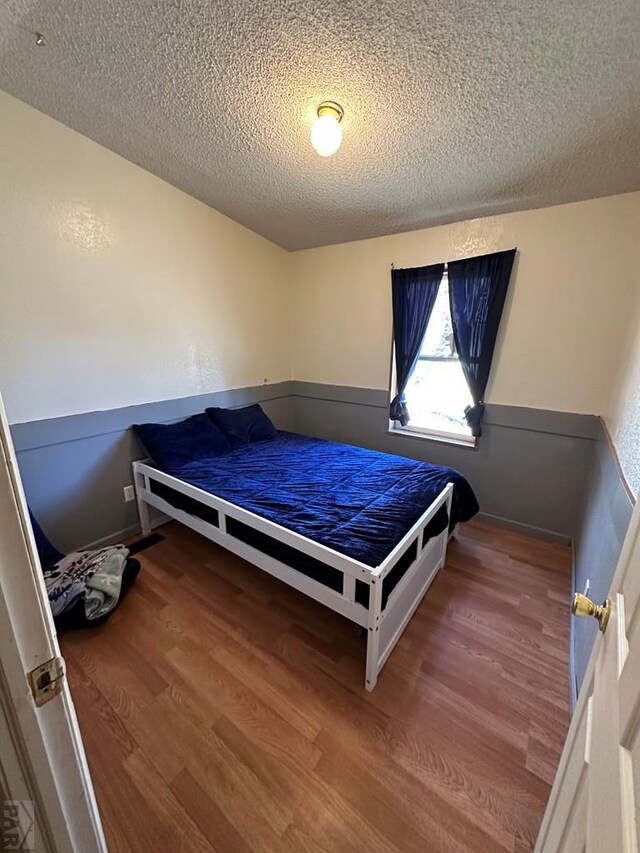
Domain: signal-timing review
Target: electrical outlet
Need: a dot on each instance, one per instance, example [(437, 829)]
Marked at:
[(129, 494)]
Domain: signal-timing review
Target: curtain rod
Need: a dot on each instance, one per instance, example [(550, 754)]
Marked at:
[(468, 258)]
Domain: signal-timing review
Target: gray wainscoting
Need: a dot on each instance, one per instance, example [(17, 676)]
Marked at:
[(529, 470), (597, 543), (75, 468), (552, 474)]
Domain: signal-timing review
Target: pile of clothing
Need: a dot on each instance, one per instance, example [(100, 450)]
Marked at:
[(84, 587), (93, 577)]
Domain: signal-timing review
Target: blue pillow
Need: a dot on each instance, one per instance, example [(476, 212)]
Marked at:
[(243, 426), (174, 445)]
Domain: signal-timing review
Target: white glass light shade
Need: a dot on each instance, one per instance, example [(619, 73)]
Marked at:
[(326, 134)]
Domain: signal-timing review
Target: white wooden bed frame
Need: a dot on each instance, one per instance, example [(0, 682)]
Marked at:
[(384, 626)]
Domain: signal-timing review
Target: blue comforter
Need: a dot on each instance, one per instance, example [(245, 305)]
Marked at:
[(356, 501)]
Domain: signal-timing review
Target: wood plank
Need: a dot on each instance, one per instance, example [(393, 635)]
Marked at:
[(223, 710)]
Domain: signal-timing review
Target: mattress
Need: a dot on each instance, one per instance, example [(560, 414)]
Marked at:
[(356, 501)]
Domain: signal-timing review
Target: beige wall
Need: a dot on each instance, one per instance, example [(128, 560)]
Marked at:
[(623, 415), (560, 340), (117, 288)]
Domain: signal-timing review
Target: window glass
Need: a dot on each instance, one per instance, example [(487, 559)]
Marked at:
[(437, 392), (438, 340)]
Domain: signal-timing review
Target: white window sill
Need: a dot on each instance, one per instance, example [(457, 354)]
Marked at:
[(469, 443)]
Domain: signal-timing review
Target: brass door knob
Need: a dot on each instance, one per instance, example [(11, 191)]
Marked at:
[(583, 606)]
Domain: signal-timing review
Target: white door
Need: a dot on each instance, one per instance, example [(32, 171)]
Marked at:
[(595, 800), (48, 800)]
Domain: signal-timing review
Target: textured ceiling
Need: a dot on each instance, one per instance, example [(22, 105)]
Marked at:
[(452, 109)]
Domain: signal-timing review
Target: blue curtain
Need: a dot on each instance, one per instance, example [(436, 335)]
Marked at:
[(477, 290), (414, 293)]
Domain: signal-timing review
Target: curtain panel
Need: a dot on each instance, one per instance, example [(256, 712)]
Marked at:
[(477, 292), (414, 293)]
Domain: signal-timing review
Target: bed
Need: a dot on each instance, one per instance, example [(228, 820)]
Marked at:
[(362, 532)]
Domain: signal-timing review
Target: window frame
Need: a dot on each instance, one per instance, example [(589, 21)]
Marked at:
[(425, 433), (440, 437)]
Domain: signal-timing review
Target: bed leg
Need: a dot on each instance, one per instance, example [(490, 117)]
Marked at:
[(143, 508), (145, 520), (446, 537), (373, 634)]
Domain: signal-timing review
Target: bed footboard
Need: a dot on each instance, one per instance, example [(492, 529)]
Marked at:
[(387, 622), (347, 586), (401, 607)]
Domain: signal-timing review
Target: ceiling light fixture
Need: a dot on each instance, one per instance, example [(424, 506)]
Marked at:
[(326, 133)]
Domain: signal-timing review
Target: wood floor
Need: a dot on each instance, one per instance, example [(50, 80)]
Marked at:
[(221, 710)]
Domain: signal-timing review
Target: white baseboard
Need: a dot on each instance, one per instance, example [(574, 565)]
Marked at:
[(527, 529), (114, 538)]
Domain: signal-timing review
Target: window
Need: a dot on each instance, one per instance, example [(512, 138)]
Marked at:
[(437, 391)]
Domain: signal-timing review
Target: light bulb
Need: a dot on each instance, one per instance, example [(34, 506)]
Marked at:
[(326, 133)]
